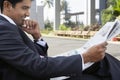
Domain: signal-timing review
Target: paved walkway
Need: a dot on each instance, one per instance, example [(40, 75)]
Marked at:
[(59, 45)]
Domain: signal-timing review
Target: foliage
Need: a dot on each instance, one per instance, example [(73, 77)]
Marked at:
[(113, 10), (48, 25), (65, 9), (93, 27), (70, 24), (45, 32), (49, 3), (107, 16), (63, 27), (63, 5)]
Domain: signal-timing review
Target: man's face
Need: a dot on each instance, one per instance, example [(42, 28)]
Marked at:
[(20, 11)]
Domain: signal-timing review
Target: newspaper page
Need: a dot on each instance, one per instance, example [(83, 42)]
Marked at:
[(107, 32)]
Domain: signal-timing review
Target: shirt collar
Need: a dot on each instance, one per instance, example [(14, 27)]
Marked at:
[(8, 18)]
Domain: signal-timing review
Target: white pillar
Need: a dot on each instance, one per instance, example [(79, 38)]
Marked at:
[(33, 10), (57, 14), (86, 13), (89, 12), (37, 13), (40, 17)]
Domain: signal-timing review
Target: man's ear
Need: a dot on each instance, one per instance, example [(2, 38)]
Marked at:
[(7, 5)]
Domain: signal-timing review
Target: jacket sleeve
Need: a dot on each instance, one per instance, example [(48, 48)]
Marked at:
[(14, 52), (44, 48)]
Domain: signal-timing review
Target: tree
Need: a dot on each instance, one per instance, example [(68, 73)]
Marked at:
[(65, 9), (49, 3), (112, 11)]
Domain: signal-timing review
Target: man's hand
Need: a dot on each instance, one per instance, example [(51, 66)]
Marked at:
[(32, 27), (95, 53)]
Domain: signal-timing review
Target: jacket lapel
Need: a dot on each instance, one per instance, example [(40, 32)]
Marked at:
[(26, 40)]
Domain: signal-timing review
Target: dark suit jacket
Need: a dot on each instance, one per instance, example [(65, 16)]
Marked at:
[(20, 57), (107, 69)]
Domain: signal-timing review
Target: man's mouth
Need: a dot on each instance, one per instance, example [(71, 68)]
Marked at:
[(26, 18)]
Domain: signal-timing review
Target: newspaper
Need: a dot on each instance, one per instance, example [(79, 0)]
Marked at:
[(107, 32)]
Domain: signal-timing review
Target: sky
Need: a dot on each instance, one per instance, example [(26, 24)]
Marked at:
[(74, 5), (78, 5)]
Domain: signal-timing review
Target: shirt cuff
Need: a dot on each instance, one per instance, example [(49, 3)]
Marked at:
[(86, 65), (41, 42)]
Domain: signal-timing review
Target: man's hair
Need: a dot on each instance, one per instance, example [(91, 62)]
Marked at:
[(13, 2)]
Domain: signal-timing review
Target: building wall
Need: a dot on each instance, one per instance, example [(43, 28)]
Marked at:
[(33, 11), (40, 16), (57, 14), (37, 14)]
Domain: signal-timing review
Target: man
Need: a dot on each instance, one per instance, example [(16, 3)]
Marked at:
[(23, 59)]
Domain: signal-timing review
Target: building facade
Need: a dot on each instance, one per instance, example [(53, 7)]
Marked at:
[(91, 13)]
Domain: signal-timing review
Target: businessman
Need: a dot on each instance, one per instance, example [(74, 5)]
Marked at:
[(23, 59)]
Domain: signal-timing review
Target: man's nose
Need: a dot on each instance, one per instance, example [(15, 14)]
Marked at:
[(27, 13)]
